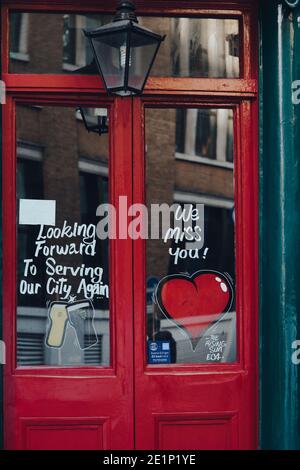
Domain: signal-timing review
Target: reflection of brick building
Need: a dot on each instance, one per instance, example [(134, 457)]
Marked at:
[(193, 47), (189, 151), (174, 176), (65, 164), (61, 138)]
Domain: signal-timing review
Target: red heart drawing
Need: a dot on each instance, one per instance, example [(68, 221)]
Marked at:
[(195, 302)]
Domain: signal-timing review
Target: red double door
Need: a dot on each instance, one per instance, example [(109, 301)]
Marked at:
[(172, 377)]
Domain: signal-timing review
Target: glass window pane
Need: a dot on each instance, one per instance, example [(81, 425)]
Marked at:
[(190, 313), (63, 268), (54, 43), (205, 134), (196, 47)]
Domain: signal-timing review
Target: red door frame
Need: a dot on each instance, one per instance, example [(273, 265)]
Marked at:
[(238, 93), (238, 379)]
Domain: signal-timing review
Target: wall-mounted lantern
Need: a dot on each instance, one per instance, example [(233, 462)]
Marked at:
[(94, 119), (124, 51)]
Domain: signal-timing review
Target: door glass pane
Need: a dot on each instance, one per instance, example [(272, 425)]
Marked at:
[(191, 315), (54, 43), (63, 268)]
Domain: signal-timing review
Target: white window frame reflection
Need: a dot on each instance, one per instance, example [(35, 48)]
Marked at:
[(30, 344), (190, 138), (22, 53), (78, 22), (29, 151), (207, 33), (194, 198)]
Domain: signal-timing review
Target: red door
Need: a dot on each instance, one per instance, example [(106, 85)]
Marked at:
[(131, 342), (200, 391), (69, 375)]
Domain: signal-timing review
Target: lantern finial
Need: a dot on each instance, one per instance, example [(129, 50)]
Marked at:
[(125, 11)]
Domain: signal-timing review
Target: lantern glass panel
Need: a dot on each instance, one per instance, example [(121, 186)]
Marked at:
[(142, 53), (111, 50)]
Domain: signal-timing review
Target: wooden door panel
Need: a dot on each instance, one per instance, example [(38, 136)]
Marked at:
[(201, 431), (47, 405), (187, 401), (66, 433)]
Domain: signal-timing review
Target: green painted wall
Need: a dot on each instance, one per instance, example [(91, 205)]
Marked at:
[(279, 226), (1, 366)]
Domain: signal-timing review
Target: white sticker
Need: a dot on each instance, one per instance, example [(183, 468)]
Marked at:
[(37, 212)]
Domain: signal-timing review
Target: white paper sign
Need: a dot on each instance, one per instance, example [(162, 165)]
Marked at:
[(37, 212)]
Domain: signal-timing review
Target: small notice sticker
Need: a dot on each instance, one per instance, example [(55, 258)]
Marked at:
[(159, 352), (37, 212)]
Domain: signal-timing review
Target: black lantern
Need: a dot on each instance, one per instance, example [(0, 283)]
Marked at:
[(94, 119), (124, 51)]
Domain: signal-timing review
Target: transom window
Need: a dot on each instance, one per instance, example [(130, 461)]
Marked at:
[(194, 47)]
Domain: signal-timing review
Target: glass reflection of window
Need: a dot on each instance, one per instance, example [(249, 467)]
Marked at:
[(206, 134), (69, 40), (205, 47), (76, 50), (30, 345), (93, 192), (193, 168), (219, 230), (19, 24), (194, 47), (53, 170), (74, 54), (30, 186)]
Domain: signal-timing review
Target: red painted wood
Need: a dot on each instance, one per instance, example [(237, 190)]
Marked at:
[(188, 391), (58, 83), (188, 86), (66, 433), (4, 40), (214, 431), (217, 7), (94, 403)]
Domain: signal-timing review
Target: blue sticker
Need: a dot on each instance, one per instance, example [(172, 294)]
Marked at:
[(159, 352), (152, 282)]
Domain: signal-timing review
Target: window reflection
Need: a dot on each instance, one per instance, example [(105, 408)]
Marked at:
[(191, 294), (63, 268), (54, 43), (205, 134), (197, 47), (19, 27)]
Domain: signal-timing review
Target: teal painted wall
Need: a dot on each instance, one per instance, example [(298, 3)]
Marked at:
[(1, 316), (279, 227)]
